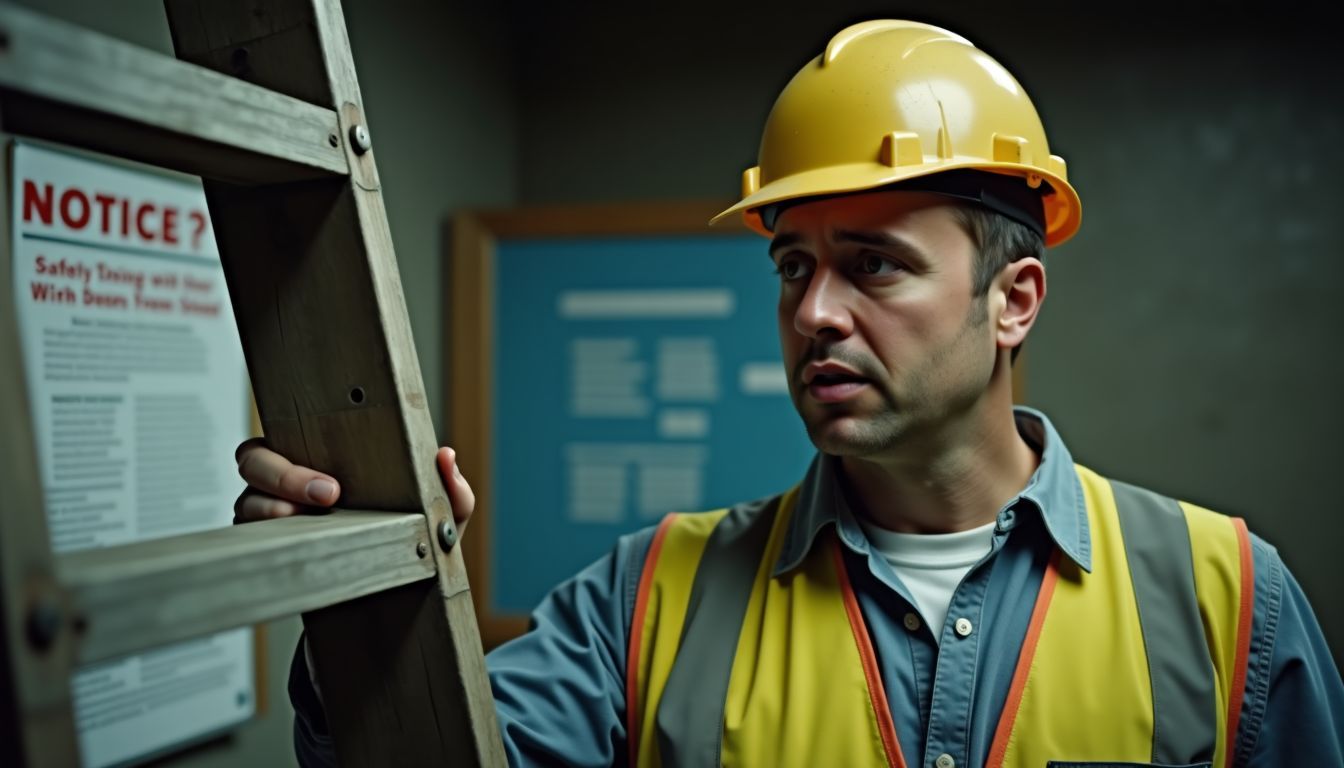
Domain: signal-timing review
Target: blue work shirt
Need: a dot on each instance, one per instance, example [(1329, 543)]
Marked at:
[(560, 689)]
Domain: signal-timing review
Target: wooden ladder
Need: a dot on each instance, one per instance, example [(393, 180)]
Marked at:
[(263, 103)]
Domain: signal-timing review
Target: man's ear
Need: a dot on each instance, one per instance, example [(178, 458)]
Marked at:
[(1021, 288)]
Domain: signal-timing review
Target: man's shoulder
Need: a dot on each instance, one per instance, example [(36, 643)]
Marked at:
[(694, 528), (1205, 523), (1118, 486), (749, 508)]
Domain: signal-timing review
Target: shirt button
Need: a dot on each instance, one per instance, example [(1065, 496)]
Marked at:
[(911, 622), (945, 761), (963, 628)]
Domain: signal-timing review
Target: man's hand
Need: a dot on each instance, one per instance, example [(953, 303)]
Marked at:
[(279, 488)]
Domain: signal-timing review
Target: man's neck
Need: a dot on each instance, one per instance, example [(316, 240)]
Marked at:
[(950, 482)]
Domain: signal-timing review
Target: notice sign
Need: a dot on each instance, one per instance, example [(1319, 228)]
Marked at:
[(137, 388)]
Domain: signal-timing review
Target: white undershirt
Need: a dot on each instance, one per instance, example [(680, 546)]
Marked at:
[(931, 565)]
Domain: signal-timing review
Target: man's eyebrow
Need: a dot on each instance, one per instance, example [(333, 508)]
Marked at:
[(784, 241), (878, 239), (867, 238)]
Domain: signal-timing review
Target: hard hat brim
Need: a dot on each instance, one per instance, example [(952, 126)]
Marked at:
[(1063, 209)]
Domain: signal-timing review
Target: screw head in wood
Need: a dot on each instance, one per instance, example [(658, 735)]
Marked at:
[(359, 138), (44, 623), (447, 535), (421, 549)]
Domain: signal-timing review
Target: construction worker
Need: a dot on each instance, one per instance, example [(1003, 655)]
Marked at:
[(945, 587)]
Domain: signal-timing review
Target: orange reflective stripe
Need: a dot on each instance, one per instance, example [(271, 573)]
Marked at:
[(999, 748), (1247, 596), (886, 726), (632, 722)]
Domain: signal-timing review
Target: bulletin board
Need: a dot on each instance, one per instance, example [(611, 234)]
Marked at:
[(605, 366)]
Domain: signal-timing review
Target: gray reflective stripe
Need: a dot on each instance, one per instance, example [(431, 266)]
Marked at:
[(1157, 545), (690, 713)]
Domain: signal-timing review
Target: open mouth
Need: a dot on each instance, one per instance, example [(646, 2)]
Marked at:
[(831, 379), (835, 387)]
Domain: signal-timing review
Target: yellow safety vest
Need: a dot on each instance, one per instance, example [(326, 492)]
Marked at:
[(1141, 660)]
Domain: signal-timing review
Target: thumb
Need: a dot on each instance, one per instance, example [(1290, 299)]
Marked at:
[(460, 495)]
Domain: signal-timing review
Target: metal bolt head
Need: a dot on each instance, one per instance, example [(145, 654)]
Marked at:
[(239, 59), (359, 138), (421, 549), (447, 535)]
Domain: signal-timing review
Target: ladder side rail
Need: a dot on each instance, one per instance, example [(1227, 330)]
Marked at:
[(318, 299), (38, 640)]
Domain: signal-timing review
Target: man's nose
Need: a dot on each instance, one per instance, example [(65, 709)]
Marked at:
[(824, 308)]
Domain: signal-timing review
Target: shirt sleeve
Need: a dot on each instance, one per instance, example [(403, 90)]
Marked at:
[(1293, 710), (559, 689), (312, 741)]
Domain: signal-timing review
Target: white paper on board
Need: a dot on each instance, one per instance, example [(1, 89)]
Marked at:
[(137, 388)]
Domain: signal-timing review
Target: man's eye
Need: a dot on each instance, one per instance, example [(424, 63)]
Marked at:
[(874, 264), (791, 269)]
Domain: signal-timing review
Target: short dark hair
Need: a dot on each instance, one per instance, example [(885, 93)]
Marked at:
[(999, 241)]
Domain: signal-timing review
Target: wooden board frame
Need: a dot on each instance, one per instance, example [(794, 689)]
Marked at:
[(468, 289), (469, 240)]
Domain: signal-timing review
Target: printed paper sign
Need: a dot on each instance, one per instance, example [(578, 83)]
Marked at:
[(138, 394)]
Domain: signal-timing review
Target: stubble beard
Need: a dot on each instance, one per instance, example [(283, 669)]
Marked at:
[(860, 430), (854, 430)]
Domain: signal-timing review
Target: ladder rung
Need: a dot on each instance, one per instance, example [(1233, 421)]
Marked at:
[(68, 84), (144, 595)]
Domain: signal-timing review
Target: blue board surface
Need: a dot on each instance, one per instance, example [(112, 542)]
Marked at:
[(634, 376)]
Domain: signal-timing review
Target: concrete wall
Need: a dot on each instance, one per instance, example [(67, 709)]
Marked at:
[(1188, 342)]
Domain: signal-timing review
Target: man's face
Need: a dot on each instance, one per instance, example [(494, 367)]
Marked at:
[(881, 336)]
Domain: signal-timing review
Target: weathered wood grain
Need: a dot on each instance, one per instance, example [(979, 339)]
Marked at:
[(67, 84), (36, 723), (139, 596), (318, 298)]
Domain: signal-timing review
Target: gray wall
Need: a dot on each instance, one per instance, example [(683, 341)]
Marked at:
[(437, 80), (1189, 341)]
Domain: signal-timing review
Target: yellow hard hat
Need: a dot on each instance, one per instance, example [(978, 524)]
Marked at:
[(891, 101)]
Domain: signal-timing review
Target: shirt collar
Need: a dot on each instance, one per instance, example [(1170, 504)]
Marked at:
[(1053, 491)]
